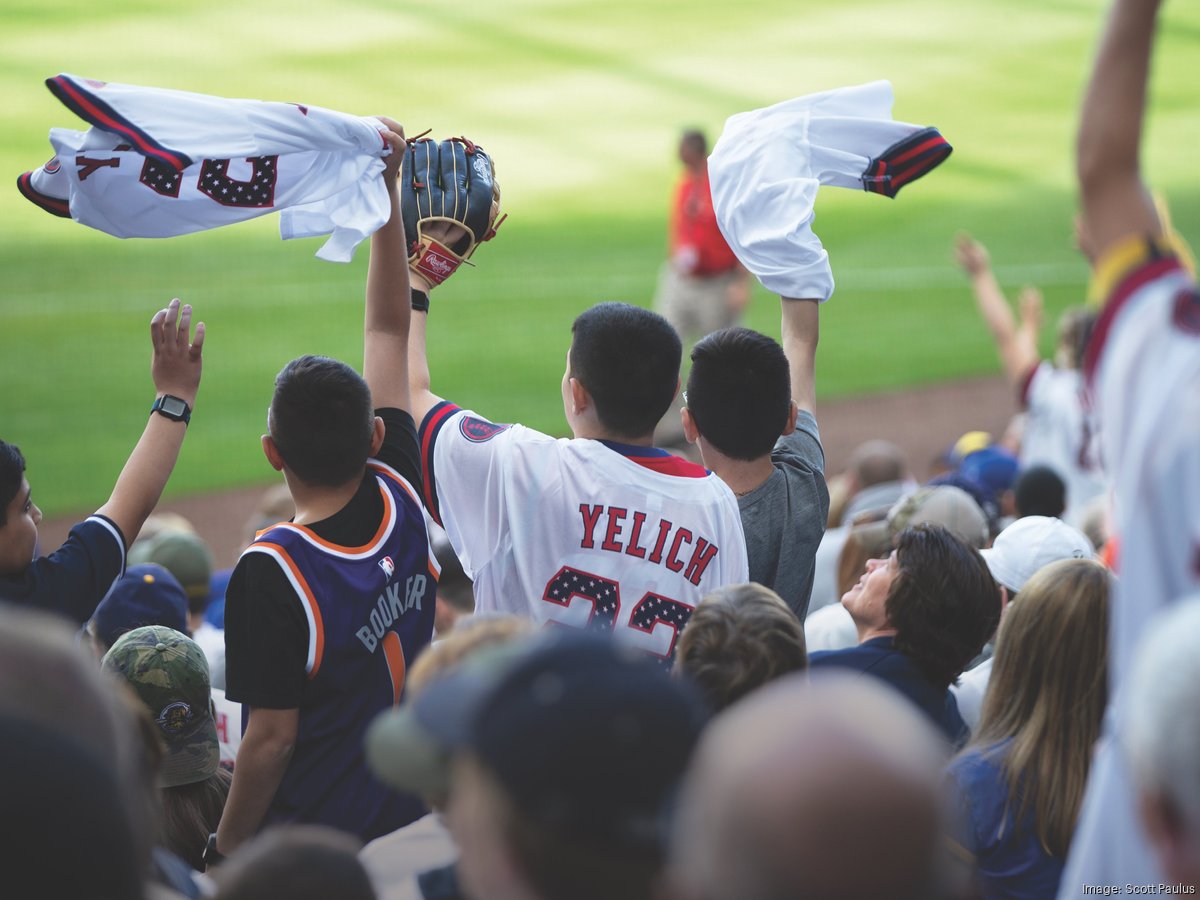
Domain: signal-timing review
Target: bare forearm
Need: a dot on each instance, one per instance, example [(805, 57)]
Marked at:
[(801, 331), (1114, 200), (1016, 346), (386, 321), (261, 764), (145, 475), (423, 399)]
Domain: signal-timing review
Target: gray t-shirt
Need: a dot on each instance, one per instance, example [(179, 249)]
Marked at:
[(785, 516)]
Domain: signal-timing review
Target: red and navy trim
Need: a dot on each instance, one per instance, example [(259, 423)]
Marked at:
[(91, 109), (658, 460), (905, 161), (1159, 262), (53, 205), (431, 427)]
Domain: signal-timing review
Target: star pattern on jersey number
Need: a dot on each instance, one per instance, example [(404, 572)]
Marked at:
[(601, 591), (259, 191), (161, 178)]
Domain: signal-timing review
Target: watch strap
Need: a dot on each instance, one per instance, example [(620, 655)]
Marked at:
[(164, 407)]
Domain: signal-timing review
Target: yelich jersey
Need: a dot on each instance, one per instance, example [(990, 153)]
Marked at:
[(583, 533)]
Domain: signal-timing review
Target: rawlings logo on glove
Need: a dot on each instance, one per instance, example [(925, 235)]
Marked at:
[(452, 182)]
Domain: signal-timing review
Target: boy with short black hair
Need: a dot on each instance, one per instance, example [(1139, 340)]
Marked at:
[(602, 531), (750, 405), (76, 577), (324, 612)]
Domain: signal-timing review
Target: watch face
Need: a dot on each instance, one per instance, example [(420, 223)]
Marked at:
[(173, 406)]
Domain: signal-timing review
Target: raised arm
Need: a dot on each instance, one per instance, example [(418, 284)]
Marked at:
[(1115, 202), (800, 331), (175, 369), (1017, 346), (386, 321)]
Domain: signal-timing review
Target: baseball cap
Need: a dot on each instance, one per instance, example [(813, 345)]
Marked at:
[(168, 672), (184, 554), (144, 595), (951, 507), (993, 467), (1030, 543), (971, 442), (586, 736)]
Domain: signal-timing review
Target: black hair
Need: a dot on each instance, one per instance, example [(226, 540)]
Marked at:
[(12, 470), (943, 603), (1039, 491), (322, 420), (628, 360), (739, 391)]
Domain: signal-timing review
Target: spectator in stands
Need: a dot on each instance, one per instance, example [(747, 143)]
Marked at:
[(1018, 553), (144, 595), (295, 862), (418, 860), (50, 683), (1020, 781), (750, 407), (876, 477), (577, 812), (812, 790), (922, 614), (73, 579), (1039, 491), (1059, 429), (185, 555), (739, 638), (874, 535), (1163, 740), (169, 674)]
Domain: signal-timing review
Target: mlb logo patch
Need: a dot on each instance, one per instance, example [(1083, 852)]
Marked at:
[(389, 567)]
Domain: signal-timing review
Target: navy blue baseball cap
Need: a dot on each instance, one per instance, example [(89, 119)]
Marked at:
[(584, 734), (144, 595)]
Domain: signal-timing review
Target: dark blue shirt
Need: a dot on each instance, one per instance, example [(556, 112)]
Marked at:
[(74, 578), (1009, 859), (879, 657)]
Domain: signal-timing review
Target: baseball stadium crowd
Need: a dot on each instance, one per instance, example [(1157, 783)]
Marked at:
[(461, 659)]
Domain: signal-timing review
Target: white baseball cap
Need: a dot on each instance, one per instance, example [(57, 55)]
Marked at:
[(1030, 543)]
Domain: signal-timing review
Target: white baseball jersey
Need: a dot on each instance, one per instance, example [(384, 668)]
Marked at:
[(583, 533), (767, 165), (1060, 432), (1144, 362), (160, 163)]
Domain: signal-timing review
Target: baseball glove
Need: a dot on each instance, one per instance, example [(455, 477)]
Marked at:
[(453, 182)]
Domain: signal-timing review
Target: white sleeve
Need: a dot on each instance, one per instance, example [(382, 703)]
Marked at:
[(465, 476)]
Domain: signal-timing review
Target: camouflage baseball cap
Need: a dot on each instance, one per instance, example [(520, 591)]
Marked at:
[(168, 672)]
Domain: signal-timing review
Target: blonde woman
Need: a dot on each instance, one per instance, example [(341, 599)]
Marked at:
[(1020, 781)]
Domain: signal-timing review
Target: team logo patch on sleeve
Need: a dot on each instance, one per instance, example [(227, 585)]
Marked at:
[(479, 430)]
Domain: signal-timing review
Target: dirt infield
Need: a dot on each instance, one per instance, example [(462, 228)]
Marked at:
[(923, 421)]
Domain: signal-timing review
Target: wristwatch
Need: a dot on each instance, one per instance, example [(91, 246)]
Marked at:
[(212, 856), (173, 408)]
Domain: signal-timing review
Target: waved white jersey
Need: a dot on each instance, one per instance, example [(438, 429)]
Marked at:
[(160, 163), (1060, 432), (1145, 365), (583, 533)]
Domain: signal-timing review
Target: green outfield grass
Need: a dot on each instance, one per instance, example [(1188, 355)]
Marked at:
[(580, 103)]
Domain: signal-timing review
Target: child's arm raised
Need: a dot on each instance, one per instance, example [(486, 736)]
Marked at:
[(175, 370), (386, 322)]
